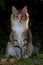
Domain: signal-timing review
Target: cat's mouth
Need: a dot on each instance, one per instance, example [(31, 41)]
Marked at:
[(19, 21)]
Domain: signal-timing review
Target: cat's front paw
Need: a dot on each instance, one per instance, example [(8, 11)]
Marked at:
[(6, 55), (26, 56)]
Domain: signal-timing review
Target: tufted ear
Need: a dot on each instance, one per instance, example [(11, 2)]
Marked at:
[(24, 10), (14, 10)]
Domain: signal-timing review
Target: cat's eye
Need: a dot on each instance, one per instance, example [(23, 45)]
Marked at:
[(22, 17), (16, 16)]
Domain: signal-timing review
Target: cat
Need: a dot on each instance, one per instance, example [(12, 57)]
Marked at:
[(20, 44)]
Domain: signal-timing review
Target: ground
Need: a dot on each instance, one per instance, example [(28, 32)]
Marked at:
[(34, 60)]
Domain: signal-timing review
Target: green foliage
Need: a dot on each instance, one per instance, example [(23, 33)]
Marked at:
[(30, 61)]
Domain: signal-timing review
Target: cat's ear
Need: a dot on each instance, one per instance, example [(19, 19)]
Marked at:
[(24, 10), (14, 10)]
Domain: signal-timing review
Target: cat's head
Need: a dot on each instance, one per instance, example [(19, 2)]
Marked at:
[(19, 15)]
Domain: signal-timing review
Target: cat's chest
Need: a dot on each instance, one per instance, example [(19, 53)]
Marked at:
[(19, 28)]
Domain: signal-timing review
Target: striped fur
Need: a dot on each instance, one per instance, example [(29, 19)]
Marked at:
[(20, 44)]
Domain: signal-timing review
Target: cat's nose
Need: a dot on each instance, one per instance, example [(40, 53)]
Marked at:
[(20, 20)]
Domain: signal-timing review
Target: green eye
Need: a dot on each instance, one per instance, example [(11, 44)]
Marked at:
[(16, 16)]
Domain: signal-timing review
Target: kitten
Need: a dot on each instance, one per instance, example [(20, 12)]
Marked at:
[(20, 44)]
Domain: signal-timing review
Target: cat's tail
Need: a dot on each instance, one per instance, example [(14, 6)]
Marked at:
[(30, 49)]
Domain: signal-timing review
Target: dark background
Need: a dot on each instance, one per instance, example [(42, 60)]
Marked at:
[(35, 10)]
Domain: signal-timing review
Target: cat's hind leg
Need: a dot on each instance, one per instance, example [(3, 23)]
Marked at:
[(10, 50), (29, 51)]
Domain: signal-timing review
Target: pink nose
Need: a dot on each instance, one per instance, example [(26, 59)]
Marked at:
[(19, 19)]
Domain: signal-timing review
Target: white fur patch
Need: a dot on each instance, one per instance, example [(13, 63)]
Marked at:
[(10, 49), (19, 27)]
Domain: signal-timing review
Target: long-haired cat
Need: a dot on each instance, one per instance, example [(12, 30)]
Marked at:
[(20, 44)]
